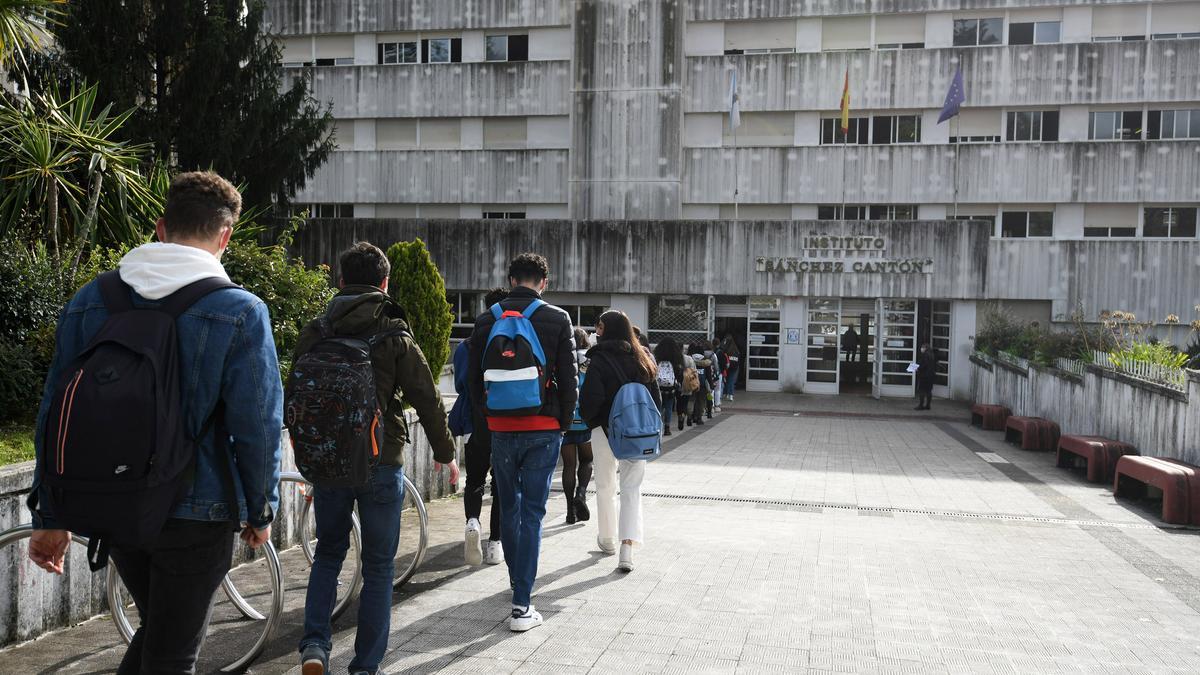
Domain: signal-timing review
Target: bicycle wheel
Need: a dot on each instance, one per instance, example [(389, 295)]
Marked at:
[(263, 569), (414, 536), (308, 540)]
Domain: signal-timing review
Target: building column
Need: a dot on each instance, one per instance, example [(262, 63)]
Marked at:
[(627, 114)]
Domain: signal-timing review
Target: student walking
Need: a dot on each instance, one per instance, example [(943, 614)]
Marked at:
[(479, 460), (361, 317), (735, 364), (523, 380), (701, 396), (669, 376), (172, 545), (689, 383), (617, 359), (577, 446), (927, 363)]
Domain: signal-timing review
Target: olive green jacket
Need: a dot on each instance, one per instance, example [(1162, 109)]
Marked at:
[(401, 372)]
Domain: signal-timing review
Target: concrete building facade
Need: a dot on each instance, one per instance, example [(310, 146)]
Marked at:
[(1077, 146)]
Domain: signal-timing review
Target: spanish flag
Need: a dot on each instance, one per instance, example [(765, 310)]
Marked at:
[(846, 104)]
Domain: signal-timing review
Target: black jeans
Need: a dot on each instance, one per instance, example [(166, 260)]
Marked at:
[(172, 581), (479, 461)]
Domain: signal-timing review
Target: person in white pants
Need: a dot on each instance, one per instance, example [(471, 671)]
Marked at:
[(616, 360)]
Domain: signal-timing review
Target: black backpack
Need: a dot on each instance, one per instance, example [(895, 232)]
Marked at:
[(116, 458), (331, 409)]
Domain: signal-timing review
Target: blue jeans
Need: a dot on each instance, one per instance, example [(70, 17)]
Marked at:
[(731, 380), (379, 504), (667, 409), (523, 466)]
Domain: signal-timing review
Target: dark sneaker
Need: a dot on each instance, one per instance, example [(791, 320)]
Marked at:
[(314, 660)]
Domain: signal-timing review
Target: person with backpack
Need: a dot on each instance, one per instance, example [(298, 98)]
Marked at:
[(577, 446), (704, 391), (689, 382), (734, 355), (622, 386), (523, 381), (722, 369), (712, 378), (356, 367), (164, 385), (463, 422), (669, 374)]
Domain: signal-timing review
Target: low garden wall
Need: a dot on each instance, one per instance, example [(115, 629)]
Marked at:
[(33, 602), (1158, 420)]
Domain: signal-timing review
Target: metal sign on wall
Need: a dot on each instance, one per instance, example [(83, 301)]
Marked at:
[(837, 254)]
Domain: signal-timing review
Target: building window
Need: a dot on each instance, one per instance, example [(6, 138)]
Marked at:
[(508, 48), (1173, 124), (1027, 224), (1170, 221), (892, 212), (896, 129), (441, 50), (1109, 231), (503, 215), (1175, 36), (1115, 126), (584, 316), (344, 61), (974, 139), (297, 64), (902, 45), (831, 131), (987, 219), (324, 210), (396, 52), (465, 306), (1039, 33), (972, 32), (1034, 125), (835, 212), (1119, 38)]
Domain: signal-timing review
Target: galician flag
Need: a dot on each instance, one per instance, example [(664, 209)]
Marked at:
[(735, 108), (954, 97), (846, 104)]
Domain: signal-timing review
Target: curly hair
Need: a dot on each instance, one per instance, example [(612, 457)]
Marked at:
[(199, 204), (528, 267)]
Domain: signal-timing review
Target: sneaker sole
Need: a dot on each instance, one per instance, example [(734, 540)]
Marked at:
[(474, 551), (523, 628), (312, 668)]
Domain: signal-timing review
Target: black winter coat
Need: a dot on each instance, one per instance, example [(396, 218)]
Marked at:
[(927, 370), (554, 331), (603, 380)]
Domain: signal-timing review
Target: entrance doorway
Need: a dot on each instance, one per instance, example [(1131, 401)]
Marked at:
[(735, 326), (856, 344)]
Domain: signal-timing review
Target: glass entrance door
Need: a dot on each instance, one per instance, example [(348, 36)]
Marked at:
[(939, 341), (762, 344), (897, 347), (824, 317)]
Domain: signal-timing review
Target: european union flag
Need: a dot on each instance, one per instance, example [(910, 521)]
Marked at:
[(954, 97)]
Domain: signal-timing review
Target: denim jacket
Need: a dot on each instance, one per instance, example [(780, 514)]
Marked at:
[(227, 356)]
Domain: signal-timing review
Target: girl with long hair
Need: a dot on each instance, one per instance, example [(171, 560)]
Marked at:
[(618, 358), (669, 356), (577, 448)]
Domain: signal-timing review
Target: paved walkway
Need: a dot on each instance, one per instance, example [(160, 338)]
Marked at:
[(798, 534)]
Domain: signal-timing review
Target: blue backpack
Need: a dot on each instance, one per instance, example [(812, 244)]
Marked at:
[(577, 423), (514, 365), (634, 423)]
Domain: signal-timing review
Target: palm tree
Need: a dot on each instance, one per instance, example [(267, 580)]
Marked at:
[(23, 26)]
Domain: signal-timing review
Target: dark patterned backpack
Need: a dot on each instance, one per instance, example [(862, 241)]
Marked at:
[(331, 410)]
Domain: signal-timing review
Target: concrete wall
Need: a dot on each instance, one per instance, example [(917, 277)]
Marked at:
[(914, 174), (292, 17), (628, 111), (696, 257), (712, 10), (1158, 421), (1055, 74), (33, 602)]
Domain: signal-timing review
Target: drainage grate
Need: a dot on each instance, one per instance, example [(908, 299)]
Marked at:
[(817, 507)]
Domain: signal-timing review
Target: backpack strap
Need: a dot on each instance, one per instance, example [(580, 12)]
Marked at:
[(387, 334), (324, 326), (498, 312), (178, 302), (115, 292)]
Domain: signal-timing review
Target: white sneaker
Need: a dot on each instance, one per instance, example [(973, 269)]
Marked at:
[(607, 546), (523, 621), (626, 561), (731, 398), (493, 553), (472, 550)]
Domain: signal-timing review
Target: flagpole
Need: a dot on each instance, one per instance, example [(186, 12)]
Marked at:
[(736, 182), (957, 148), (844, 150)]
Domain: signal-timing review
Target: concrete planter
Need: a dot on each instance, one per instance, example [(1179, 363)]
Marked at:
[(1158, 420), (33, 602)]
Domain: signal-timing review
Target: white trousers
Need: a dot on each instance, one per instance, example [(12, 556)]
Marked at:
[(632, 473)]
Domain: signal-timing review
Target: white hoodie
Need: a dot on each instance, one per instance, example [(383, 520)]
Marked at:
[(157, 270)]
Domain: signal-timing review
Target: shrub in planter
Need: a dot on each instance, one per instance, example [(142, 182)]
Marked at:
[(418, 286)]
